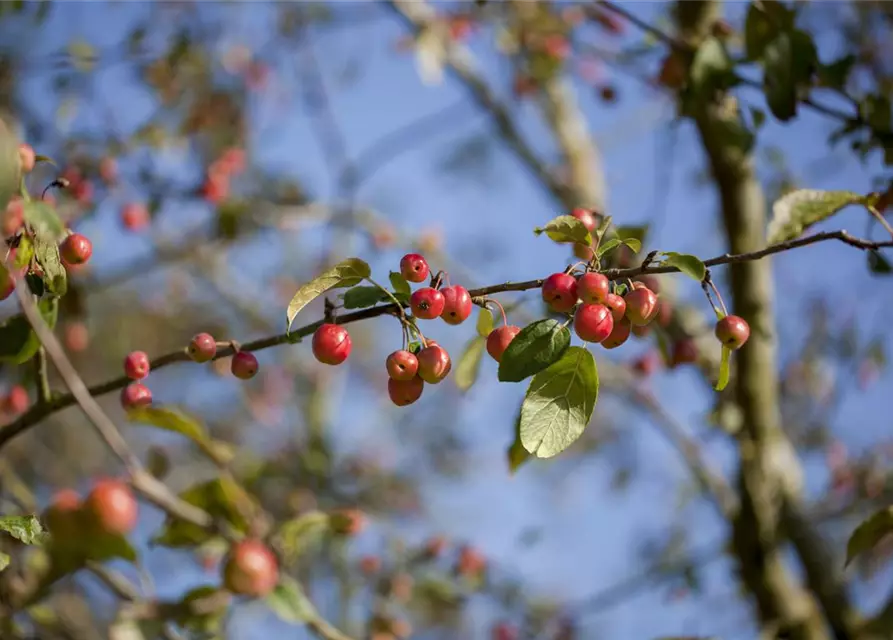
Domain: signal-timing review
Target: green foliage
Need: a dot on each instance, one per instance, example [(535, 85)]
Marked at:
[(516, 454), (363, 296), (469, 364), (9, 165), (687, 264), (55, 277), (795, 212), (565, 229), (25, 529), (44, 220), (711, 69), (724, 367), (202, 610), (289, 602), (869, 533), (789, 61), (184, 424), (764, 21), (222, 498), (18, 343), (878, 264), (537, 346), (484, 323), (559, 404), (298, 535), (402, 290), (634, 244), (346, 273)]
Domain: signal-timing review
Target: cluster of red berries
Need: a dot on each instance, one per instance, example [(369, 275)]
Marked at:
[(109, 508), (217, 181)]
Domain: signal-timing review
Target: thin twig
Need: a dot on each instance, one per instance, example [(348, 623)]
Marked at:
[(39, 412), (44, 393)]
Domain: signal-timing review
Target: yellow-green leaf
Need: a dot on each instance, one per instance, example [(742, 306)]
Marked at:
[(298, 535), (26, 529), (797, 211), (687, 264), (10, 169), (289, 602), (724, 366), (344, 274), (516, 454), (566, 229), (44, 220), (559, 404), (4, 560), (18, 343), (470, 363), (869, 533), (485, 323), (184, 424)]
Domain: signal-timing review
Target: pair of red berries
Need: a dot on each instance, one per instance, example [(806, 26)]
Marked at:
[(452, 303), (408, 372), (203, 348), (136, 394)]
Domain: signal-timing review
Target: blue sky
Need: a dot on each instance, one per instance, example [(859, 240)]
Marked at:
[(588, 536)]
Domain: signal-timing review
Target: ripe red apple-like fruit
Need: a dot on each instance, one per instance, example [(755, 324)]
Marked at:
[(112, 507), (414, 268), (202, 348), (250, 569), (136, 394), (402, 365), (244, 365), (556, 46), (135, 216), (617, 305), (404, 392), (136, 365), (732, 331), (619, 334), (457, 304), (587, 217), (347, 522), (434, 363), (593, 288), (560, 292), (427, 303), (27, 157), (500, 339), (62, 517), (641, 306), (76, 249), (685, 351), (471, 562), (504, 631), (647, 363), (641, 331), (331, 344), (593, 322), (17, 401), (76, 336)]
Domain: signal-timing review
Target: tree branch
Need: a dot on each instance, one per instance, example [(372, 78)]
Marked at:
[(38, 412)]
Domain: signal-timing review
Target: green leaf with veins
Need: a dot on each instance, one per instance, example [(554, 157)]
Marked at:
[(347, 273), (724, 369), (795, 212), (26, 529), (469, 364), (687, 264), (536, 346), (559, 404), (401, 286), (565, 229)]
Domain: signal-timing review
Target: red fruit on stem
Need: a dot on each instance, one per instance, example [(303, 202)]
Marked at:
[(370, 565), (583, 251), (76, 336), (17, 401), (402, 365), (76, 249), (427, 303), (136, 365), (641, 331), (641, 306), (470, 563), (414, 268), (434, 363), (499, 340), (685, 351), (617, 305), (647, 363), (556, 46), (136, 394), (456, 304), (331, 344), (593, 288), (560, 292), (244, 365), (83, 192), (647, 282), (250, 569), (619, 334), (62, 515), (27, 158), (202, 348), (108, 170), (732, 331), (593, 322), (405, 392), (587, 217), (135, 216), (112, 507)]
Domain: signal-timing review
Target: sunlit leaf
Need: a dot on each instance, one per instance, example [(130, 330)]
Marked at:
[(344, 274), (289, 602), (559, 404), (795, 212), (687, 264), (536, 346), (485, 323), (565, 229), (401, 286), (724, 366), (516, 454), (470, 363), (26, 529), (298, 535)]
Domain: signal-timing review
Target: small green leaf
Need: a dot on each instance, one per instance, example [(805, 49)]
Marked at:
[(559, 404), (789, 61), (297, 536), (400, 284), (55, 277), (25, 252), (834, 75), (362, 297), (202, 610), (157, 462), (724, 366), (516, 454), (18, 343), (795, 212), (102, 547), (607, 246), (26, 529), (184, 424), (878, 264), (687, 264), (83, 56), (485, 322), (344, 274), (221, 498), (757, 117), (536, 347), (44, 220), (4, 560), (289, 602), (470, 363), (634, 232), (47, 159), (869, 533), (565, 229), (763, 22)]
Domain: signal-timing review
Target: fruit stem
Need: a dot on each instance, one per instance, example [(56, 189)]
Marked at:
[(877, 216), (437, 280), (501, 309), (388, 294), (707, 285)]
